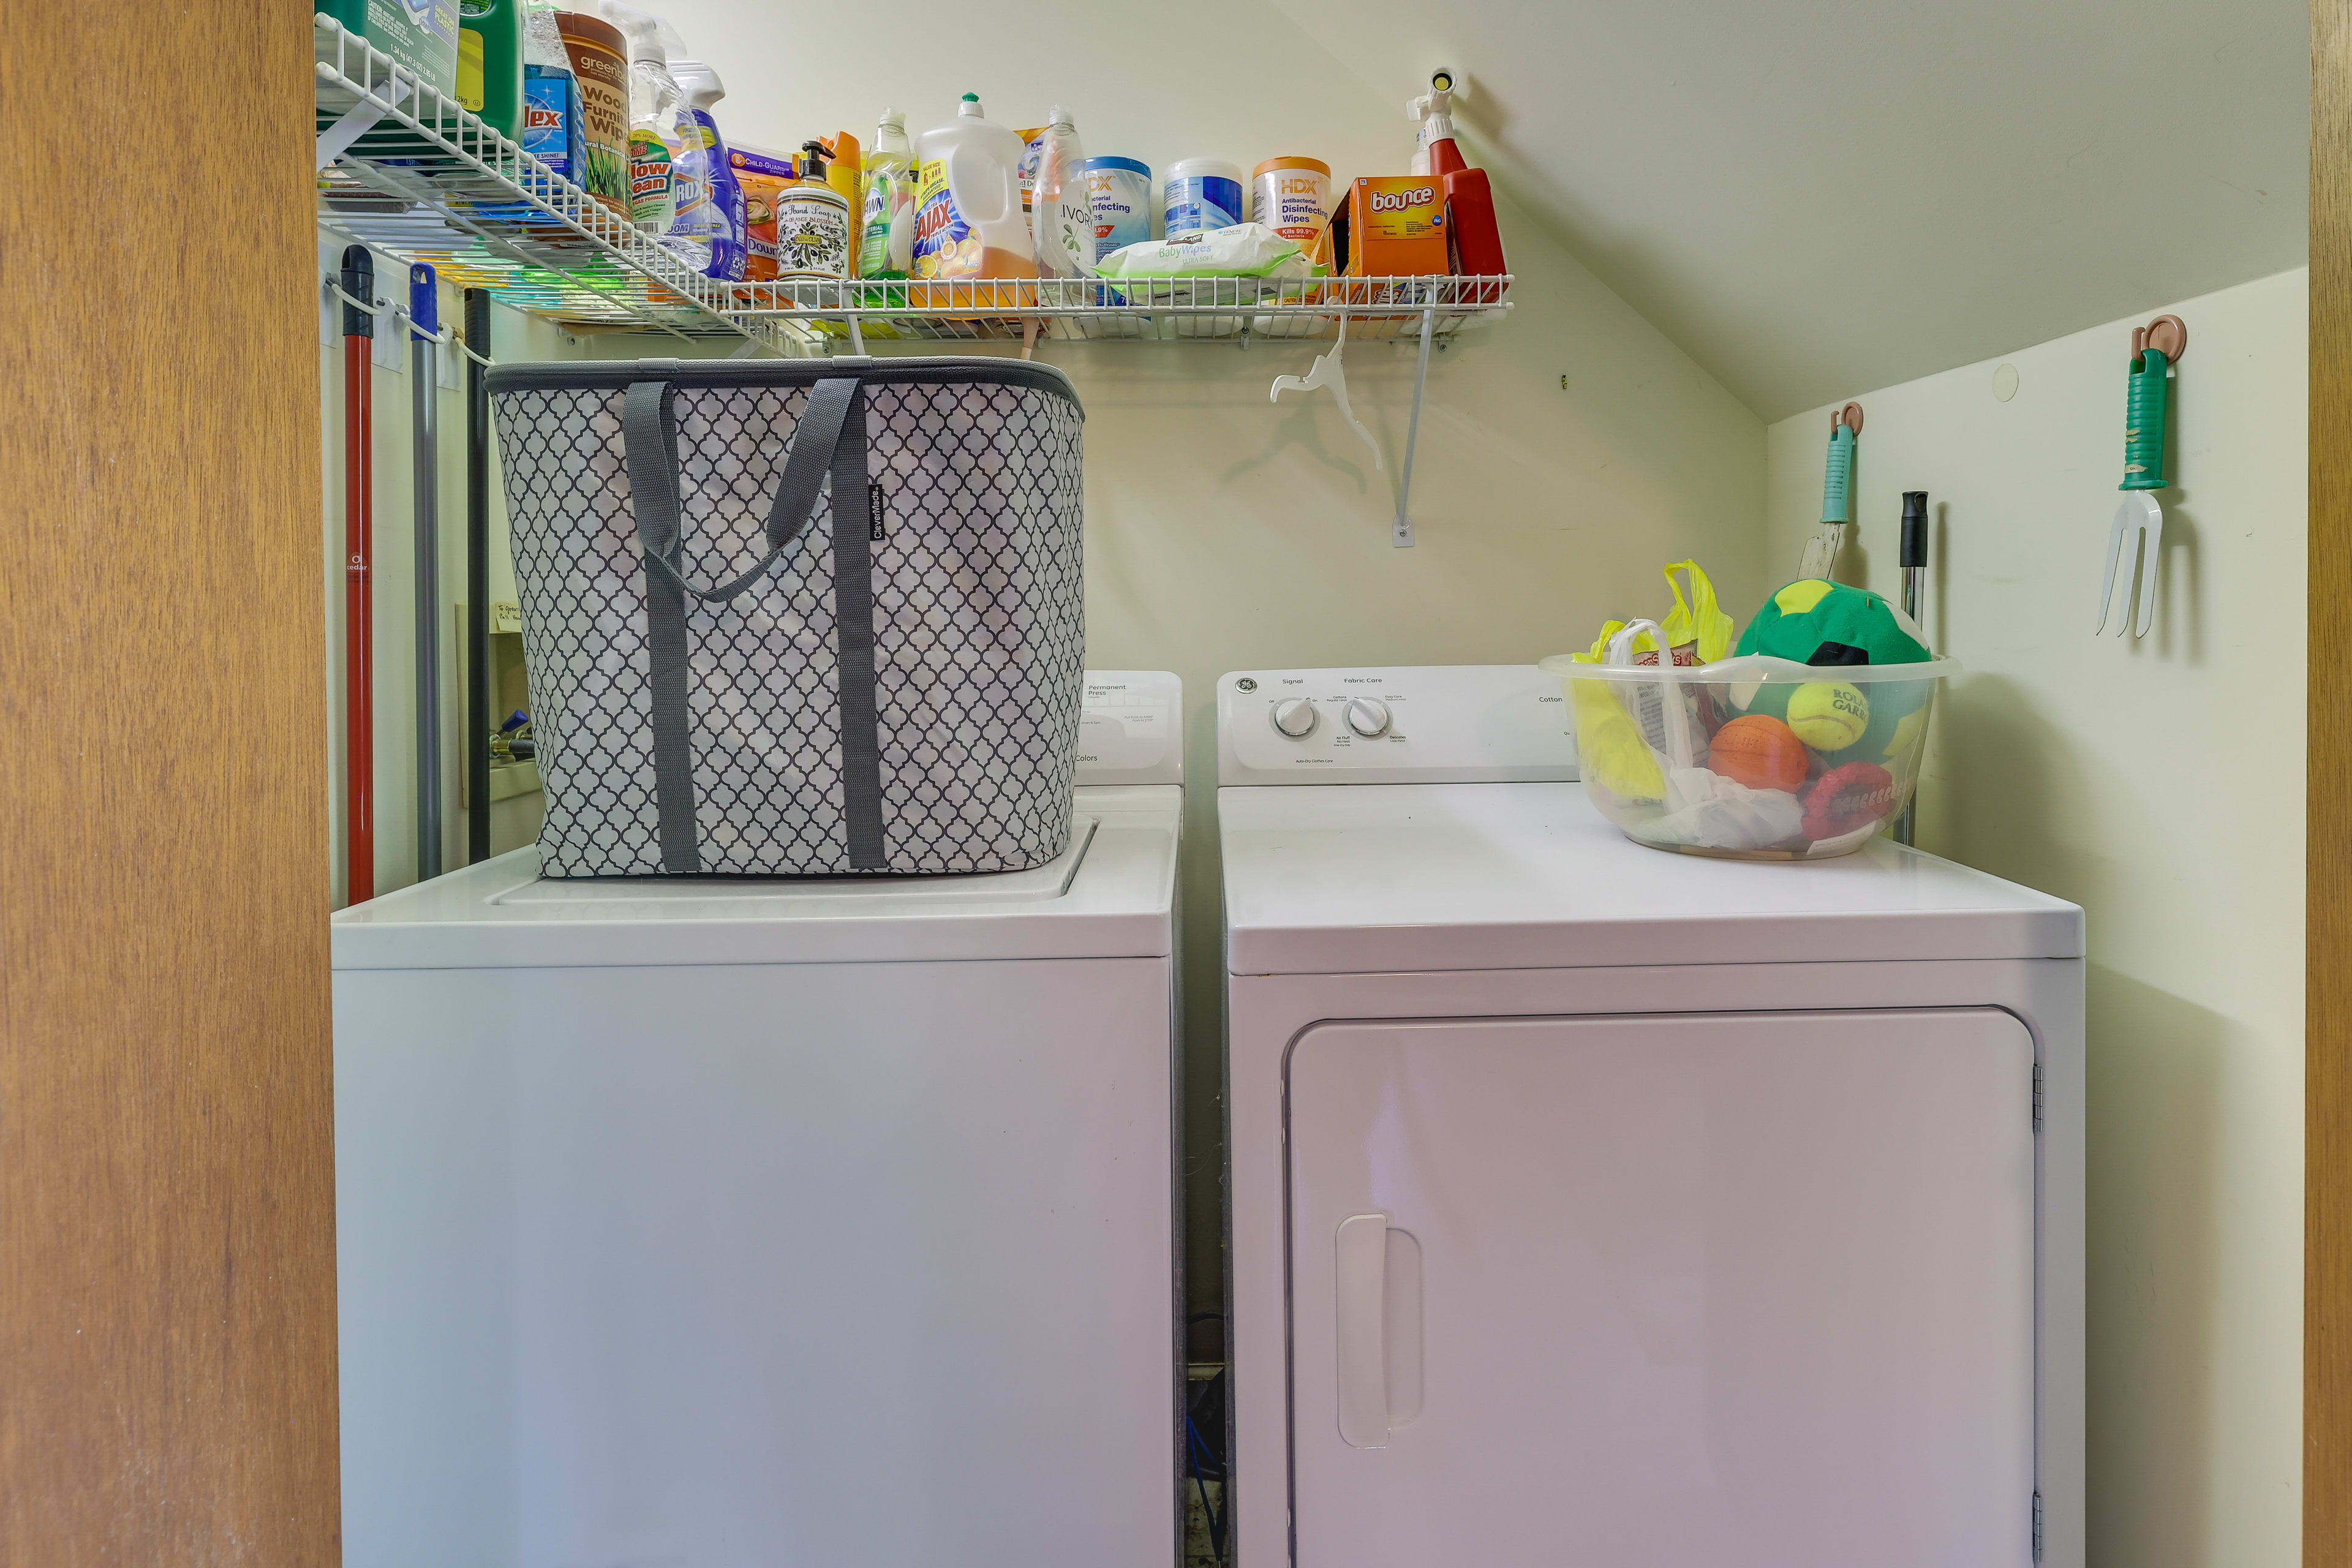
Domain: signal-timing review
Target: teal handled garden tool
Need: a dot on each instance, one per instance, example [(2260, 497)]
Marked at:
[(2138, 530), (1837, 495)]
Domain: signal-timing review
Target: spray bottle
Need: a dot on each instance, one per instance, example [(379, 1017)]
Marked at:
[(654, 132), (708, 232), (1474, 240)]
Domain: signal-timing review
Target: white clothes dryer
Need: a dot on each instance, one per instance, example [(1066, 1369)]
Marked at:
[(811, 1222), (1591, 1203)]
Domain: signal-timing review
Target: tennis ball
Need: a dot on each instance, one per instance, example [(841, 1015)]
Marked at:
[(1829, 715), (1758, 752)]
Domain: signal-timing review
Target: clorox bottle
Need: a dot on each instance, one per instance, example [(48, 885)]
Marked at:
[(968, 217)]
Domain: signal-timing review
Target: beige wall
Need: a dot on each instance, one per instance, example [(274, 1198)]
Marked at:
[(2159, 785), (1223, 532)]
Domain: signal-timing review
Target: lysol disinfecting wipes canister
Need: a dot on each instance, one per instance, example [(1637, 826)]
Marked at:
[(1203, 194)]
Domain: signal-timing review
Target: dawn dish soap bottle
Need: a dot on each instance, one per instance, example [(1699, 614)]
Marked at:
[(886, 233)]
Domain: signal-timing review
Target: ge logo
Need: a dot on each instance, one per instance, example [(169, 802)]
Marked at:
[(1244, 684)]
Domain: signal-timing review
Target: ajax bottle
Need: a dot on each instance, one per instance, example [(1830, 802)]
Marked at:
[(968, 218)]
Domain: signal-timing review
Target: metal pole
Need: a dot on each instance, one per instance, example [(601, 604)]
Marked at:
[(358, 283), (476, 705), (1913, 559), (1402, 536), (423, 396)]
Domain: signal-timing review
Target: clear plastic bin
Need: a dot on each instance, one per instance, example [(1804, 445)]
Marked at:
[(1750, 758)]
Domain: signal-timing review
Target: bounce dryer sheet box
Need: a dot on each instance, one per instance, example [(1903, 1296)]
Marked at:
[(1396, 226)]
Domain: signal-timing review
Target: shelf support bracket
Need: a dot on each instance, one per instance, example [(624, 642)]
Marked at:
[(1401, 536), (357, 122)]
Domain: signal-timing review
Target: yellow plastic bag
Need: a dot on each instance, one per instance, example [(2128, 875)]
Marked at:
[(1697, 628), (1698, 622)]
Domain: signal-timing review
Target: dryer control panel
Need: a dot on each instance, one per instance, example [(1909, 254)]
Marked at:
[(1425, 724)]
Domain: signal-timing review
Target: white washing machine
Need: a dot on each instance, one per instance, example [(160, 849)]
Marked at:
[(722, 1223), (1591, 1203)]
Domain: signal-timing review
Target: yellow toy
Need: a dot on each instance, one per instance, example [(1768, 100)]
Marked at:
[(1829, 716)]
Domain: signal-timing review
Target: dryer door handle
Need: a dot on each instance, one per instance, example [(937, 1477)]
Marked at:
[(1359, 1288)]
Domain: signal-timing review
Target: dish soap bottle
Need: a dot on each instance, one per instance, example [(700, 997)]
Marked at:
[(887, 230), (968, 217), (1062, 216)]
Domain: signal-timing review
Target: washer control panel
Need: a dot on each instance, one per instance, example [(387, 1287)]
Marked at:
[(1427, 724), (1131, 728)]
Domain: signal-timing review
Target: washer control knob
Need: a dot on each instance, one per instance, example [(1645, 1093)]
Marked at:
[(1295, 717), (1368, 717)]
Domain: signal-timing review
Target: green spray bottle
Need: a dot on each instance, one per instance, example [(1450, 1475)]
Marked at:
[(489, 63)]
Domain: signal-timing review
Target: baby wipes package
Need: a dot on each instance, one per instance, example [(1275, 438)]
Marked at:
[(1242, 250)]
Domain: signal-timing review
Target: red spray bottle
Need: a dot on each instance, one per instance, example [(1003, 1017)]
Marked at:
[(1474, 239)]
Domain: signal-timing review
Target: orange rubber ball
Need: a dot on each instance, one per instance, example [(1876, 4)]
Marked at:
[(1760, 751)]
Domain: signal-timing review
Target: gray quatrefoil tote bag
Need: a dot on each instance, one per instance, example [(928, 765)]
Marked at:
[(798, 618)]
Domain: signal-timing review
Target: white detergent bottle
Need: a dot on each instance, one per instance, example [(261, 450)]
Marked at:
[(967, 216)]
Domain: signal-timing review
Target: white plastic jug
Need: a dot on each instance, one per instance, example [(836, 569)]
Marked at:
[(967, 216)]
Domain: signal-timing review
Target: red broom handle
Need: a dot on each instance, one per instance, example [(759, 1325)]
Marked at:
[(359, 626)]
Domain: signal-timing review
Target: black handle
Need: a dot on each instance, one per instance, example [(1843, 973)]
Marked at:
[(1915, 529), (358, 281)]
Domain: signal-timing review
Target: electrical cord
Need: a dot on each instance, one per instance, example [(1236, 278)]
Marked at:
[(1199, 1448)]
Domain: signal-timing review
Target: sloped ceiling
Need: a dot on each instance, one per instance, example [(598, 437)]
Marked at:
[(1816, 199)]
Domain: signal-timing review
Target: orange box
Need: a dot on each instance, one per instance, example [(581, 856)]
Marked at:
[(1396, 226)]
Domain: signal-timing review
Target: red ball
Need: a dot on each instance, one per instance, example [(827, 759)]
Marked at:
[(1760, 751)]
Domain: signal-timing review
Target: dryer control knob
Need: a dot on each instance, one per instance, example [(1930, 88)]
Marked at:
[(1295, 717), (1368, 717)]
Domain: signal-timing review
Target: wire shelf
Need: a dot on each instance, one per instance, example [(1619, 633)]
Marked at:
[(407, 171), (410, 173), (1376, 308)]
